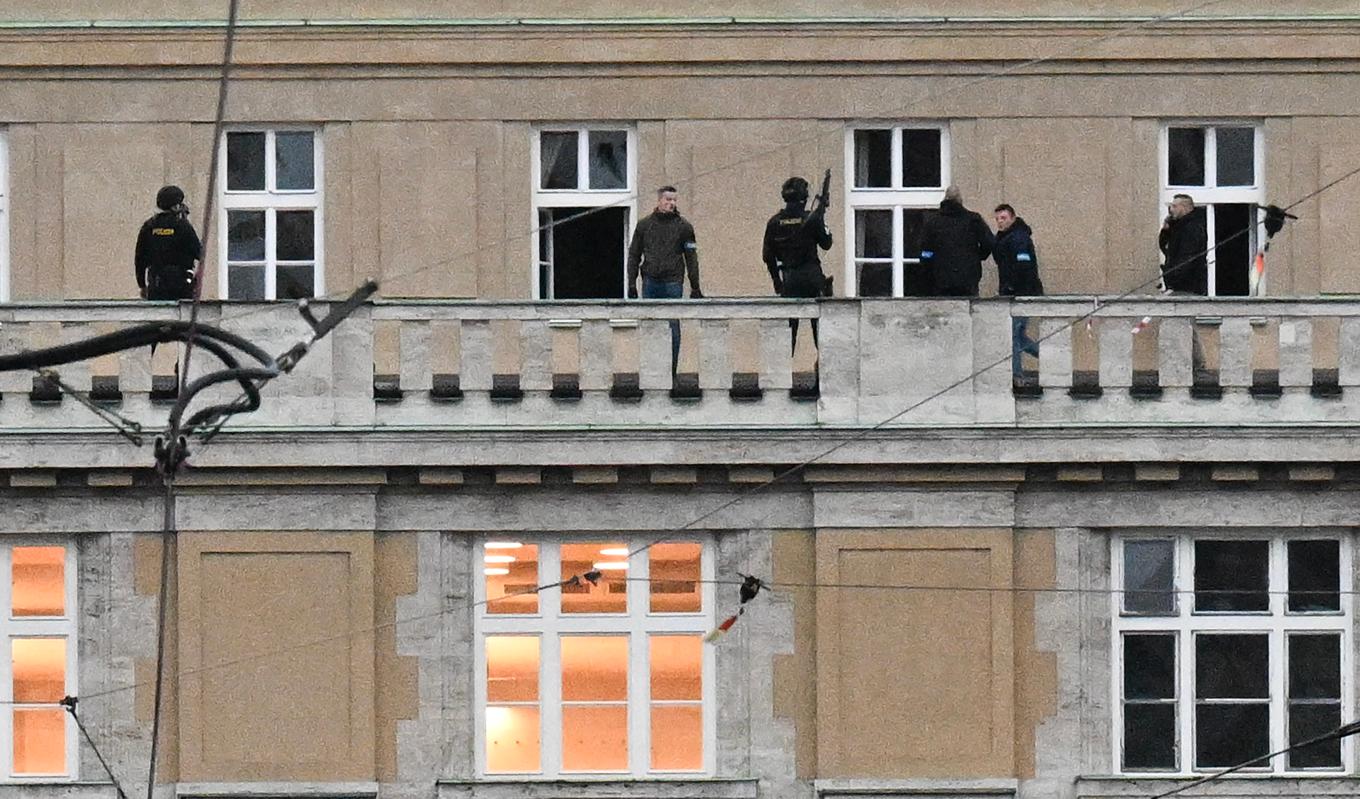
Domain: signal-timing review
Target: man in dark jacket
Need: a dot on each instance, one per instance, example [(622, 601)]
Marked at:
[(792, 237), (954, 242), (1185, 243), (663, 251), (1017, 268), (167, 247)]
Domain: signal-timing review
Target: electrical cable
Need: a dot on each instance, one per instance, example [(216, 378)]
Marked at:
[(127, 428), (1345, 730), (766, 153), (69, 702)]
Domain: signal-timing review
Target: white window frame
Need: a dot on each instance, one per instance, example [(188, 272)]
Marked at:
[(4, 216), (1211, 193), (37, 627), (271, 201), (1278, 623), (638, 623), (544, 199), (895, 198)]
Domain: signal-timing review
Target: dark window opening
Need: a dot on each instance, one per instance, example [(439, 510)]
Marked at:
[(1232, 257), (587, 253)]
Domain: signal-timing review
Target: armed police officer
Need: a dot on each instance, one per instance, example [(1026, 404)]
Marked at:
[(792, 237), (167, 248)]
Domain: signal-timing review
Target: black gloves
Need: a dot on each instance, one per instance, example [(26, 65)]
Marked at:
[(632, 292), (696, 294), (778, 284)]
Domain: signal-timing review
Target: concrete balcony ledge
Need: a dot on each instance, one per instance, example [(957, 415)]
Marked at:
[(1231, 787), (881, 789), (277, 790), (30, 789), (599, 789), (898, 363)]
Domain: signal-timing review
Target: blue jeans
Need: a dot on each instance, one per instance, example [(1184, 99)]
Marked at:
[(656, 290), (1020, 342)]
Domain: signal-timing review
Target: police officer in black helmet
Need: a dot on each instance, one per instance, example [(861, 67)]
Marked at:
[(792, 237), (167, 247)]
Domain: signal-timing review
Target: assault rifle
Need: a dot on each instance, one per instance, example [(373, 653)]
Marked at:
[(818, 216)]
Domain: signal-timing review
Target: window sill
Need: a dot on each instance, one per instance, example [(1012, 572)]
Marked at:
[(1143, 786), (658, 788), (56, 788), (955, 789), (236, 790)]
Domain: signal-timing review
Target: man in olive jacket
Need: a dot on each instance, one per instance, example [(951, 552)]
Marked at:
[(663, 251), (954, 242)]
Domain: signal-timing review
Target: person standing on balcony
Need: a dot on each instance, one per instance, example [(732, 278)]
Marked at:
[(1184, 242), (792, 237), (663, 252), (167, 247), (1017, 268), (954, 242)]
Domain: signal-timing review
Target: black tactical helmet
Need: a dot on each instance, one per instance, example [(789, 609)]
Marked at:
[(794, 189), (168, 197)]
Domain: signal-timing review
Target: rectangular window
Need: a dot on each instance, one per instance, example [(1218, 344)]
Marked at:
[(604, 672), (583, 210), (40, 632), (1230, 648), (1221, 167), (897, 174), (271, 221)]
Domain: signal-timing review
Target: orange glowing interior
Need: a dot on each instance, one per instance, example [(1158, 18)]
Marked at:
[(674, 580), (39, 733), (511, 575), (38, 581), (610, 595), (512, 714)]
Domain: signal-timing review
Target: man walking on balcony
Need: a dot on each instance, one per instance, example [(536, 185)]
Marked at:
[(954, 242), (1184, 241), (663, 251), (1017, 268)]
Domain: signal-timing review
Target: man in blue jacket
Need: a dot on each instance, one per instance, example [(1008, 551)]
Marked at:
[(1017, 267)]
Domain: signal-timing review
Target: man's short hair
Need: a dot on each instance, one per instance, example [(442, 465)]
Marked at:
[(1185, 197), (1004, 207), (953, 193), (664, 189)]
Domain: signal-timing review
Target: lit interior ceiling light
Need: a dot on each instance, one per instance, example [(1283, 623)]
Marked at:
[(496, 571), (503, 545), (499, 559), (611, 566), (618, 552)]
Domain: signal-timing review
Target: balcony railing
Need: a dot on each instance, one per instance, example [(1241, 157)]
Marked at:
[(460, 363)]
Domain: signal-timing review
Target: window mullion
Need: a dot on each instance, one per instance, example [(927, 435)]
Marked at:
[(583, 159), (896, 160), (899, 279), (271, 178), (270, 250), (1279, 699)]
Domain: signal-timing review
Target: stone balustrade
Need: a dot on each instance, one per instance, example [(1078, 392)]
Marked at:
[(435, 363)]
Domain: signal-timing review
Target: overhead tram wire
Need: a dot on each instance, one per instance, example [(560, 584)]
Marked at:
[(907, 107), (172, 455)]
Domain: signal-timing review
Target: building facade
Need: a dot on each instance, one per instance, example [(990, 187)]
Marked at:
[(473, 545)]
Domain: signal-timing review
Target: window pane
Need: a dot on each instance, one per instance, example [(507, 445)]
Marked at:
[(558, 160), (245, 282), (295, 281), (1185, 156), (511, 577), (674, 584), (677, 737), (608, 159), (1236, 156), (40, 741), (873, 158), (39, 669), (1149, 736), (1314, 667), (913, 221), (875, 280), (595, 738), (295, 236), (610, 595), (38, 581), (1149, 667), (1226, 735), (294, 161), (512, 739), (245, 161), (873, 234), (921, 166), (245, 235), (1232, 666), (512, 668), (1310, 721), (1148, 586), (1232, 575), (594, 668), (677, 667), (1314, 576)]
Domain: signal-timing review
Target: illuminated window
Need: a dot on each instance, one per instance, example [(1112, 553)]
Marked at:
[(40, 631), (607, 675)]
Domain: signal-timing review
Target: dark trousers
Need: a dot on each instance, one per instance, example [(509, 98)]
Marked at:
[(804, 284), (657, 290)]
